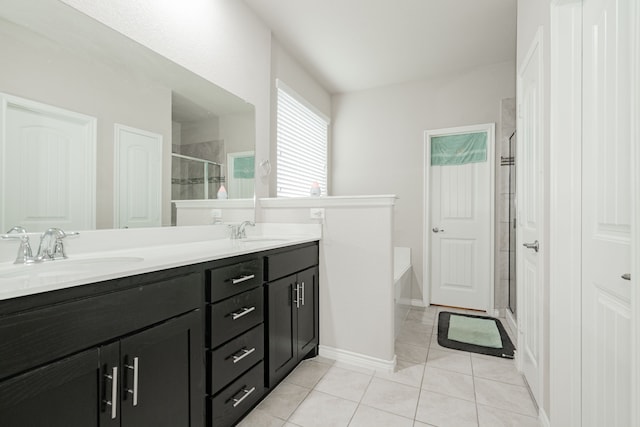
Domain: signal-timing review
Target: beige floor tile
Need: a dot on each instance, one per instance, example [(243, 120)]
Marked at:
[(308, 373), (323, 410), (411, 353), (355, 368), (419, 424), (504, 396), (446, 411), (259, 418), (450, 361), (496, 369), (392, 397), (408, 373), (425, 316), (283, 400), (321, 359), (493, 417), (451, 383), (417, 326), (370, 417), (344, 383), (414, 338)]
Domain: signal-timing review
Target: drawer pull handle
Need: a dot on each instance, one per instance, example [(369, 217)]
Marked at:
[(238, 314), (243, 353), (114, 392), (243, 279), (246, 394)]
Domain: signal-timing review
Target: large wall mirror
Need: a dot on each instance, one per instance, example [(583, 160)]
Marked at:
[(99, 131)]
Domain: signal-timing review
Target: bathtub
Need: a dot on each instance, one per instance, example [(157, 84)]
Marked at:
[(402, 273)]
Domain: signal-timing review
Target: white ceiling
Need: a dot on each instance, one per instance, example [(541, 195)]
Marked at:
[(351, 45)]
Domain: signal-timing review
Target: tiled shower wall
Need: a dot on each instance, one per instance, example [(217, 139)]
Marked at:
[(505, 197)]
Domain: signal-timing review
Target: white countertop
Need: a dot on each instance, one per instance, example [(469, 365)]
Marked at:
[(96, 266)]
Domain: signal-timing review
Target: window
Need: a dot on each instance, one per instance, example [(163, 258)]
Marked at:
[(301, 145)]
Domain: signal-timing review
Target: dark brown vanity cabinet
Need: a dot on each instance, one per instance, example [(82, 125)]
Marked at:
[(235, 338), (292, 309), (119, 353)]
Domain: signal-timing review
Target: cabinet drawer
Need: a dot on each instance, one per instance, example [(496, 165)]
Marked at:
[(234, 401), (226, 281), (38, 336), (235, 357), (233, 316), (285, 263)]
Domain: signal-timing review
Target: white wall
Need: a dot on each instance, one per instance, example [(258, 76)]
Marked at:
[(378, 139), (533, 14), (356, 273), (221, 40)]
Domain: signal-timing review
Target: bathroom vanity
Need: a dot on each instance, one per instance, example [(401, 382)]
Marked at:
[(189, 345)]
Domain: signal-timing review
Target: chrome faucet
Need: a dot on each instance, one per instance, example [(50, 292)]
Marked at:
[(25, 256), (238, 230), (51, 245)]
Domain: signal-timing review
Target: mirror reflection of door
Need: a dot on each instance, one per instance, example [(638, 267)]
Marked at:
[(47, 164), (240, 174), (138, 175)]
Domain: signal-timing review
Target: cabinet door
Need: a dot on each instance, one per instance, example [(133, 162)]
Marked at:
[(307, 311), (60, 394), (282, 328), (161, 371)]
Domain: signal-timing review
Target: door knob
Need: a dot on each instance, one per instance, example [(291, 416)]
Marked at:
[(437, 230), (626, 276), (535, 245)]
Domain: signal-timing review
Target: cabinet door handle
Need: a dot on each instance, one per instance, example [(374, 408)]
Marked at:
[(242, 354), (302, 293), (246, 394), (297, 300), (114, 392), (134, 391), (243, 279), (238, 314)]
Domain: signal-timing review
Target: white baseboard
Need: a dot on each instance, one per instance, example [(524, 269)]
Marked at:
[(417, 303), (543, 418), (358, 359)]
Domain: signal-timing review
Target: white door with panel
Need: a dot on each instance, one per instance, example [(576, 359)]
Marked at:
[(138, 177), (459, 229), (48, 166), (606, 213), (530, 202)]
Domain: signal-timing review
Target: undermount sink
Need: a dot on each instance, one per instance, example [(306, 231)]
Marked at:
[(62, 268)]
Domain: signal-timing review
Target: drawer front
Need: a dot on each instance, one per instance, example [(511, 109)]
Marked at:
[(234, 401), (35, 337), (233, 316), (234, 358), (287, 263), (233, 279)]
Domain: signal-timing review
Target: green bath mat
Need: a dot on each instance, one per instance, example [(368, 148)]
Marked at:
[(477, 334)]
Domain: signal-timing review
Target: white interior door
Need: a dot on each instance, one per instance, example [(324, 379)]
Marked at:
[(48, 166), (606, 213), (240, 183), (460, 228), (138, 176), (530, 202)]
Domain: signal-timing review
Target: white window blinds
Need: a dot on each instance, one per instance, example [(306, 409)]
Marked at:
[(301, 146)]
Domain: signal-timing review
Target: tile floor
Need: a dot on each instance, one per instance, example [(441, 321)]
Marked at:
[(432, 386)]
